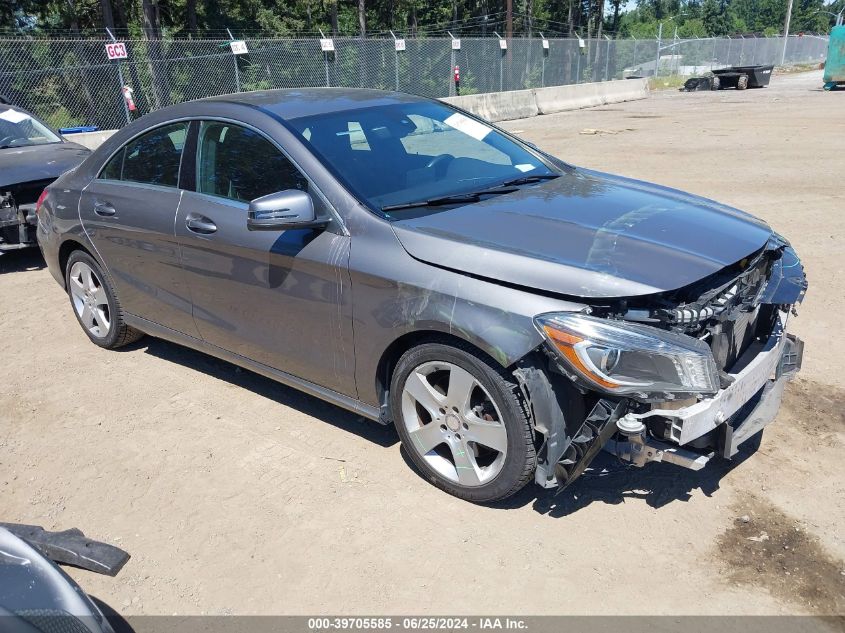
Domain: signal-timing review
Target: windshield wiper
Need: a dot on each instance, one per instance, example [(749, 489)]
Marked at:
[(473, 196), (524, 180)]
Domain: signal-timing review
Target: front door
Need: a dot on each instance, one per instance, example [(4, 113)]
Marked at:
[(128, 211), (281, 298)]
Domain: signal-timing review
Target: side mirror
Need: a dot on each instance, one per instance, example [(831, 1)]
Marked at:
[(289, 209)]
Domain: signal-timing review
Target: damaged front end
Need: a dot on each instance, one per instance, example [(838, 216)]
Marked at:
[(17, 215), (680, 377)]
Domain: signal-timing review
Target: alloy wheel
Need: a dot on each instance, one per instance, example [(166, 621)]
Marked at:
[(454, 424), (90, 300)]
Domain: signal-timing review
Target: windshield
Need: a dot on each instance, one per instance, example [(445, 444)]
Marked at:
[(18, 129), (396, 155)]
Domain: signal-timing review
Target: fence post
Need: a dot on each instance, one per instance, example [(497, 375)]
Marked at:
[(396, 57), (452, 62), (325, 56), (545, 47), (235, 60), (657, 60), (578, 61), (607, 59), (120, 81), (712, 59), (634, 62), (501, 62)]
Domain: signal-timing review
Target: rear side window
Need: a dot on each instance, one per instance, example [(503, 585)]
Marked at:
[(152, 158), (238, 163)]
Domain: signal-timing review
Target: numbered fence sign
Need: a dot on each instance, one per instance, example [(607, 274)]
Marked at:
[(456, 44), (327, 45), (400, 45), (116, 50), (546, 44), (503, 44), (238, 47)]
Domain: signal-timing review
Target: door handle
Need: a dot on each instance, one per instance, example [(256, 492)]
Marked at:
[(200, 224), (103, 208)]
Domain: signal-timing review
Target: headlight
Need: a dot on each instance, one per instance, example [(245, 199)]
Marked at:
[(621, 357)]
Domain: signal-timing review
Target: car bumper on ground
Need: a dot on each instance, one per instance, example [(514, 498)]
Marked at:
[(717, 425)]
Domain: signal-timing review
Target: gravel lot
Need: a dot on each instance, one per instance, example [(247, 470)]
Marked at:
[(237, 495)]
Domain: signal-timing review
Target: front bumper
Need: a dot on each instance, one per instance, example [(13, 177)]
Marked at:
[(717, 425)]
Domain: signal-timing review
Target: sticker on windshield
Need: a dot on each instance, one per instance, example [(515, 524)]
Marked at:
[(13, 116), (525, 167), (466, 125)]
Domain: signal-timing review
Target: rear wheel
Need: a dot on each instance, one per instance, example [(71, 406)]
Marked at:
[(462, 422), (95, 303), (742, 82)]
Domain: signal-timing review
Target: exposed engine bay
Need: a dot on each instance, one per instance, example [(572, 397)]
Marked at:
[(740, 313), (17, 214)]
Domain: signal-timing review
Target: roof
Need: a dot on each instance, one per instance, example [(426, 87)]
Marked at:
[(293, 103)]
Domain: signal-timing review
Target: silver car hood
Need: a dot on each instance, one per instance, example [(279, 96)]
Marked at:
[(585, 234)]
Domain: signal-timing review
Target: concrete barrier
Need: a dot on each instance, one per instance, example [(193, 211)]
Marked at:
[(498, 106), (518, 104), (576, 96), (91, 140)]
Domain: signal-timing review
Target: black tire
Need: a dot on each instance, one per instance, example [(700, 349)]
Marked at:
[(119, 334), (742, 82), (715, 83), (520, 460)]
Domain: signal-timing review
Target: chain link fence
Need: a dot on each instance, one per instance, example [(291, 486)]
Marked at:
[(72, 83)]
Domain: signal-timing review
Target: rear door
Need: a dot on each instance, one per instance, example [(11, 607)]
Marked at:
[(128, 211), (281, 298)]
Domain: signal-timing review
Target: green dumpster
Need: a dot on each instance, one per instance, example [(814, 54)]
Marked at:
[(834, 68)]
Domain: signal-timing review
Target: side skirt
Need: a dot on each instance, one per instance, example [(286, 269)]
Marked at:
[(313, 389)]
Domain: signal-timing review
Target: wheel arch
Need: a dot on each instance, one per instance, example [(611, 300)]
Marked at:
[(67, 247), (391, 355)]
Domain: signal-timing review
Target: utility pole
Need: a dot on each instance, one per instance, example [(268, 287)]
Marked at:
[(786, 31), (509, 22)]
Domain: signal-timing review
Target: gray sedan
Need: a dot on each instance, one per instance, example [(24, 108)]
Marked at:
[(511, 314)]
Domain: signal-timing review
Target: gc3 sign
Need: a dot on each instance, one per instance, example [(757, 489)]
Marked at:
[(116, 50)]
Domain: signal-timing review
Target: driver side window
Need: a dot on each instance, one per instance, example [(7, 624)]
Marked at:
[(238, 163)]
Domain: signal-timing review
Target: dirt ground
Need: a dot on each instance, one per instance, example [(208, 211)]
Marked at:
[(237, 495)]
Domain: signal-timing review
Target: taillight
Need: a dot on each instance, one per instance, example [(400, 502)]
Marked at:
[(40, 202)]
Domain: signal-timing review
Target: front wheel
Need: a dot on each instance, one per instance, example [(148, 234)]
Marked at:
[(462, 422), (95, 303)]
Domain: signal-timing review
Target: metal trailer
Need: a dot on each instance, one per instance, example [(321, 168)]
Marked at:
[(742, 77), (834, 68)]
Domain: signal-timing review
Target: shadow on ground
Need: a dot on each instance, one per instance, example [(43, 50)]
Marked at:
[(351, 423), (610, 481), (20, 261)]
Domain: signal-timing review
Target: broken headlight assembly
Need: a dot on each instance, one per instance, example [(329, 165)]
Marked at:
[(625, 358)]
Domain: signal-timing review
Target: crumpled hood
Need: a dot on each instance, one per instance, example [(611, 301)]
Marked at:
[(39, 162), (586, 234)]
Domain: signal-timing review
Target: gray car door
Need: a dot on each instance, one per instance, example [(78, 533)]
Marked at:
[(128, 211), (281, 298)]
